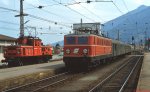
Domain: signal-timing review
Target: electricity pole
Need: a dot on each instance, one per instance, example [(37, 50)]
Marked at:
[(21, 19), (21, 15)]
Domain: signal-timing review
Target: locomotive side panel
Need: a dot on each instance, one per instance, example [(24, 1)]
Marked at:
[(29, 50), (103, 46)]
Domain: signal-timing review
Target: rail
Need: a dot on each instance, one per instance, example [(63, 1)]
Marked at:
[(39, 83), (98, 87), (127, 79)]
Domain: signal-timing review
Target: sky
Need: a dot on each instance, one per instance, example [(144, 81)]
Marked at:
[(55, 17)]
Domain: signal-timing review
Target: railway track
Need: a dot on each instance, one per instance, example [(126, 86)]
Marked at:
[(54, 82), (117, 81), (39, 85)]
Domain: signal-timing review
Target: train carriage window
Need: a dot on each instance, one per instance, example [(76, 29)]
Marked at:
[(70, 40), (82, 40)]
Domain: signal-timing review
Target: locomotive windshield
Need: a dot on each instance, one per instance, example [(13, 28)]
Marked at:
[(70, 40), (82, 40)]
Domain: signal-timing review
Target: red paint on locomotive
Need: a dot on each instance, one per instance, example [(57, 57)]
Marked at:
[(95, 46), (27, 49), (85, 49)]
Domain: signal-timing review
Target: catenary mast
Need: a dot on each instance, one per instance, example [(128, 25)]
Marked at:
[(21, 19), (21, 15)]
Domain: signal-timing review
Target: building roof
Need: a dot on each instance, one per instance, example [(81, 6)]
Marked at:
[(6, 38)]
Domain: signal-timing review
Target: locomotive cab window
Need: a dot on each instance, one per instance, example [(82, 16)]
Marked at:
[(82, 40), (70, 40)]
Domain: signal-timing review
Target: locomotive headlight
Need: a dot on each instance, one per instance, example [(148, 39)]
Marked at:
[(67, 51), (85, 51)]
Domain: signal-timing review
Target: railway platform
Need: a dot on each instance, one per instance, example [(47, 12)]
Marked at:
[(144, 78), (10, 77)]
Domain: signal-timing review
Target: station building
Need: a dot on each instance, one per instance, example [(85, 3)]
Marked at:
[(5, 41)]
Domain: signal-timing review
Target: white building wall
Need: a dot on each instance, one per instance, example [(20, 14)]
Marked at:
[(2, 45)]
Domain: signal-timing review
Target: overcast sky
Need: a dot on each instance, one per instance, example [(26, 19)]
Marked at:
[(58, 18)]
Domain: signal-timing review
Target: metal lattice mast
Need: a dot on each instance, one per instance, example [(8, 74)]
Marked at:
[(21, 15), (21, 19)]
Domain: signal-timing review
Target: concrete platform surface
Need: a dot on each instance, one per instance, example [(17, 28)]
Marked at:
[(22, 70), (144, 79), (11, 77)]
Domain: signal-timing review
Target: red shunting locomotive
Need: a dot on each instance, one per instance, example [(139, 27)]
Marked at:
[(28, 50)]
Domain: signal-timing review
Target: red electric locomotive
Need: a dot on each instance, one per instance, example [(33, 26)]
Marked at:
[(28, 50), (87, 48)]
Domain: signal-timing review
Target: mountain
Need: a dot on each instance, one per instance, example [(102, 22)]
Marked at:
[(61, 43), (135, 23)]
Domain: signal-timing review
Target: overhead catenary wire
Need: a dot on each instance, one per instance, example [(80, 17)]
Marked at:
[(125, 5), (9, 29), (89, 1), (36, 17), (75, 11), (90, 11), (129, 20), (11, 23), (41, 8), (117, 7), (2, 21)]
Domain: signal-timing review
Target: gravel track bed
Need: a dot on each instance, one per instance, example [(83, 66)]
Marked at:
[(84, 82)]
